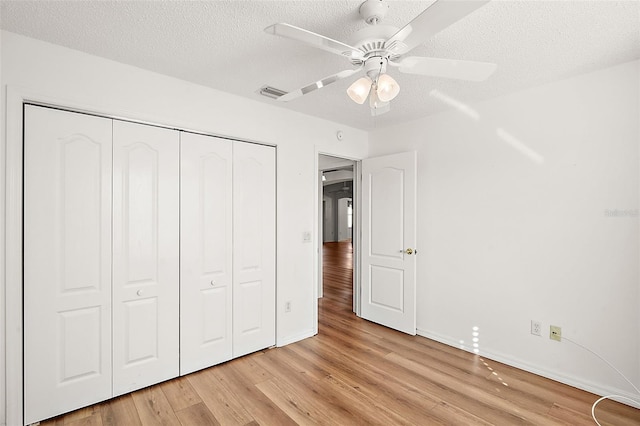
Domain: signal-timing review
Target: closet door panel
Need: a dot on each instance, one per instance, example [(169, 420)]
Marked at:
[(254, 248), (67, 261), (145, 255), (205, 252)]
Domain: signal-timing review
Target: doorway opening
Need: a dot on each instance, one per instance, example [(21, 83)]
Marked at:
[(337, 231)]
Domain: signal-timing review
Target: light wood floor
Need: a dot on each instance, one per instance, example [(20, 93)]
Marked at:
[(355, 372)]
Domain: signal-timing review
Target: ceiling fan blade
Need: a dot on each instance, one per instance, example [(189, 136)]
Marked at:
[(447, 68), (432, 20), (315, 40), (318, 84)]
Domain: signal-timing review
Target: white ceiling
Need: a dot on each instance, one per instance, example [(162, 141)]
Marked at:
[(221, 44)]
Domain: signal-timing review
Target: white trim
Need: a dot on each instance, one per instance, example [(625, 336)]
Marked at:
[(553, 375), (357, 238), (320, 225), (316, 240), (13, 256), (297, 337)]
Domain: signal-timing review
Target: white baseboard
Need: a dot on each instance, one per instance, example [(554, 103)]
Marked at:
[(553, 375), (295, 338)]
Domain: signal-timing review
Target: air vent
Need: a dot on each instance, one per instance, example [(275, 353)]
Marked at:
[(271, 92)]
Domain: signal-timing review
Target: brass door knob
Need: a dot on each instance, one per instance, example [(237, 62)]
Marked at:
[(409, 251)]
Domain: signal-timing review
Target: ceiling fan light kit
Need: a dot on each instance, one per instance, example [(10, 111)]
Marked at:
[(377, 46), (385, 88)]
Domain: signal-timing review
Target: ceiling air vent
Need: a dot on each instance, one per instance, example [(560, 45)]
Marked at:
[(271, 92)]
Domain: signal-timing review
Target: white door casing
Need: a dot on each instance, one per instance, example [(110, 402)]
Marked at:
[(145, 255), (388, 241), (254, 248), (67, 261), (205, 251)]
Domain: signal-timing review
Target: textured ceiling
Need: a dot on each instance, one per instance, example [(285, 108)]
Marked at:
[(221, 44)]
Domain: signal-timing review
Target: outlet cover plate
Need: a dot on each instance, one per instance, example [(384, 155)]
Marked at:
[(536, 328), (555, 333)]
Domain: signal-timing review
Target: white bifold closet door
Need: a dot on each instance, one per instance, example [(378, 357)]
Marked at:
[(67, 261), (228, 250), (206, 221), (146, 197), (128, 282), (254, 248)]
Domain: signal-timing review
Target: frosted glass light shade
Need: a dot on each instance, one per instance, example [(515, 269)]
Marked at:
[(388, 88), (359, 90)]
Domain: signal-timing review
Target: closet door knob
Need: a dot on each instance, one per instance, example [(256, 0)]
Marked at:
[(139, 292), (213, 283), (409, 251)]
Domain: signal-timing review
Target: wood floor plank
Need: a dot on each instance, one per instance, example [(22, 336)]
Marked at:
[(261, 408), (250, 370), (370, 411), (180, 393), (375, 384), (571, 417), (302, 365), (196, 414), (319, 396), (297, 405), (225, 406), (488, 406), (93, 420), (81, 414), (153, 407), (120, 411), (456, 415)]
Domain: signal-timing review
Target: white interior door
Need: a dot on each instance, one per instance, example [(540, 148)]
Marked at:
[(388, 241), (206, 227), (67, 261), (145, 255), (254, 248)]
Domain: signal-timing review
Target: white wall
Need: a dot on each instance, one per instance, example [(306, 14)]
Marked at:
[(515, 223), (74, 78)]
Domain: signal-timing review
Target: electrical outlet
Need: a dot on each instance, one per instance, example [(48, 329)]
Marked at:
[(287, 306), (536, 328), (555, 333)]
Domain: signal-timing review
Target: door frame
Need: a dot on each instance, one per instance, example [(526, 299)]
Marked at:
[(12, 403), (319, 236)]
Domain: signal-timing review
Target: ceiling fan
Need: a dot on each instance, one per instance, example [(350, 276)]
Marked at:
[(380, 46)]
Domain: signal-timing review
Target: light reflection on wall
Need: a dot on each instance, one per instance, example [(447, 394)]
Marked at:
[(519, 145), (452, 102), (475, 333), (508, 138), (475, 339)]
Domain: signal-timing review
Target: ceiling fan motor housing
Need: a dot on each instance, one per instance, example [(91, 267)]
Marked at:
[(373, 11), (374, 66)]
